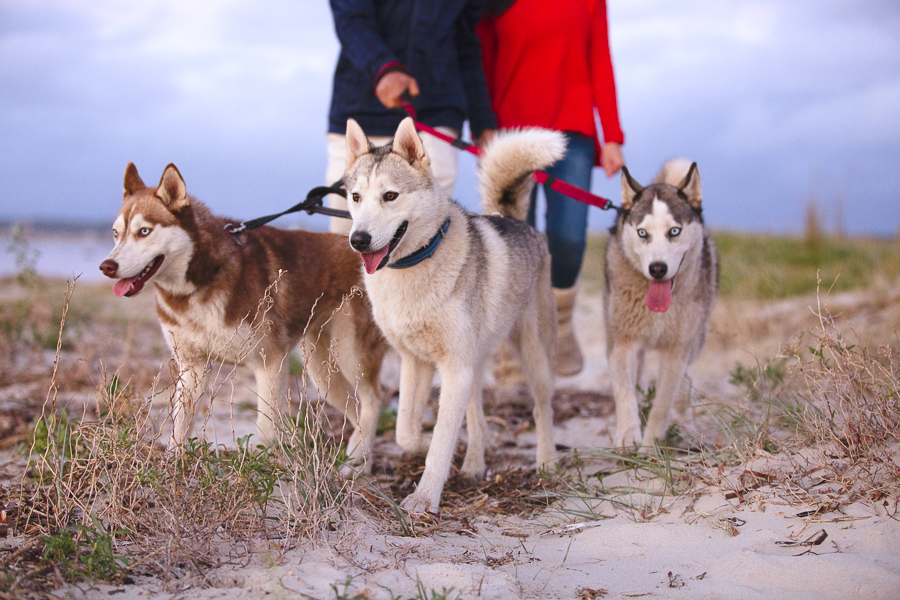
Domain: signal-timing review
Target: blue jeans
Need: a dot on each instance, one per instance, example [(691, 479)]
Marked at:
[(566, 217)]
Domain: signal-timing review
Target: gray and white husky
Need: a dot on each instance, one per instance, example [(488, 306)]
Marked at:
[(661, 281), (447, 286)]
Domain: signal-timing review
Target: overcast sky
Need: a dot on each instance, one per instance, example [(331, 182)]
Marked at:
[(778, 101)]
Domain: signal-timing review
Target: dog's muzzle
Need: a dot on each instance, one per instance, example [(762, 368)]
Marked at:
[(360, 240)]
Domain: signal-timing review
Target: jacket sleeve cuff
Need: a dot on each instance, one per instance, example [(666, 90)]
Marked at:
[(614, 137), (478, 123), (391, 67)]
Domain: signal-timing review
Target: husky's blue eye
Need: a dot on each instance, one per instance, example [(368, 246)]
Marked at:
[(674, 231), (390, 196), (115, 233), (144, 231), (642, 233)]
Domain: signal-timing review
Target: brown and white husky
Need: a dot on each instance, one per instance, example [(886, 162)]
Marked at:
[(209, 288)]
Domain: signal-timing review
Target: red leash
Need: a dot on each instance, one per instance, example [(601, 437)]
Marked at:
[(313, 202), (558, 185), (455, 142)]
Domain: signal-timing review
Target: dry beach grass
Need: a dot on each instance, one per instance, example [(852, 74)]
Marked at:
[(796, 409)]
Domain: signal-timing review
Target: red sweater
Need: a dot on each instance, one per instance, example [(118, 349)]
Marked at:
[(548, 65)]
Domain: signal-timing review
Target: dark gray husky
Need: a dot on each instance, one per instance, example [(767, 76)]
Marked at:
[(661, 281)]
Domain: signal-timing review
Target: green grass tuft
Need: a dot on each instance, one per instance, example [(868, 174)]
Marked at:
[(764, 267)]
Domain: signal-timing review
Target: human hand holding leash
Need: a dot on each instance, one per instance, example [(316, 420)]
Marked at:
[(392, 86)]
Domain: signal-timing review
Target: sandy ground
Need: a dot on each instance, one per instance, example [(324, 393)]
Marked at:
[(668, 557), (708, 543)]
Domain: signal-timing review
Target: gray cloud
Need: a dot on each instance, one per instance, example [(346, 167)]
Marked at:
[(777, 101)]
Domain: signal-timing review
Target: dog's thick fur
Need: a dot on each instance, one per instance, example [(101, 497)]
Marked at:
[(488, 280), (210, 296), (661, 281)]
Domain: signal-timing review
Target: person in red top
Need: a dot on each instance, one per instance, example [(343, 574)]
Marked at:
[(548, 65)]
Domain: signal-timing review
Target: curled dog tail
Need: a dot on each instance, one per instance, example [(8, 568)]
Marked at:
[(673, 171), (507, 163)]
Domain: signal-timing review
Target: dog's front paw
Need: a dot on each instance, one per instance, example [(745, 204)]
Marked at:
[(414, 445), (688, 432), (357, 457), (627, 437), (353, 468), (473, 466), (173, 451), (418, 503), (651, 439), (546, 459)]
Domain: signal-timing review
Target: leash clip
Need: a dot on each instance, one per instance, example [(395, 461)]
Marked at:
[(235, 229), (406, 102)]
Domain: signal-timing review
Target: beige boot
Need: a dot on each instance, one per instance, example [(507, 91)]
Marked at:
[(507, 370), (569, 360)]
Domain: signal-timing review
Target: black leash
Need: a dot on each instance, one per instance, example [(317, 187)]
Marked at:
[(312, 205), (313, 202)]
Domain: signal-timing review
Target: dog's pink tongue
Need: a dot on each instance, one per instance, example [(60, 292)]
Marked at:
[(122, 286), (659, 296), (373, 259)]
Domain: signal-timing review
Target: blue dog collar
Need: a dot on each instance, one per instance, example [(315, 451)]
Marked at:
[(424, 252)]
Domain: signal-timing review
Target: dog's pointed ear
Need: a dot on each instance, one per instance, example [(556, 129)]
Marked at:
[(630, 189), (133, 182), (357, 142), (172, 191), (690, 186), (408, 144)]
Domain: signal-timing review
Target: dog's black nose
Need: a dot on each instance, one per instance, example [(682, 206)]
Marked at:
[(658, 270), (109, 267), (360, 240)]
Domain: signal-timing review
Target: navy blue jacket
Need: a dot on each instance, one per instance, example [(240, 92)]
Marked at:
[(434, 39)]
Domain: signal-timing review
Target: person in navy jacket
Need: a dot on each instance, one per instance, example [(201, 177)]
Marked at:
[(426, 50)]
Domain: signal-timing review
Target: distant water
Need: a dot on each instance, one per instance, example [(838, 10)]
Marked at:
[(59, 255)]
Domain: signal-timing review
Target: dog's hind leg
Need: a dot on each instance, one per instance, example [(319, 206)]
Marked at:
[(456, 388), (685, 393), (536, 340), (671, 372), (271, 389), (639, 370), (363, 402), (687, 428), (476, 426), (683, 398), (334, 388), (415, 389)]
